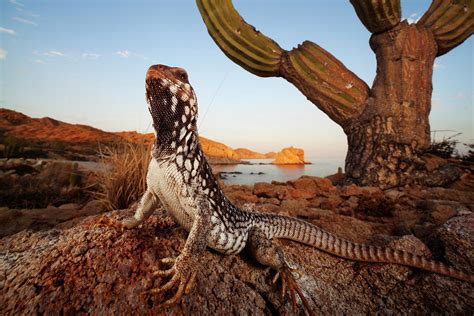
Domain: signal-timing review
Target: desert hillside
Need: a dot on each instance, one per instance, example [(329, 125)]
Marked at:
[(46, 129)]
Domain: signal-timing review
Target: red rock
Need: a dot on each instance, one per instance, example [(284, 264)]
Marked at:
[(290, 156)]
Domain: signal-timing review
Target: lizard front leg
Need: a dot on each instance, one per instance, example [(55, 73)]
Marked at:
[(145, 208), (266, 252), (185, 266)]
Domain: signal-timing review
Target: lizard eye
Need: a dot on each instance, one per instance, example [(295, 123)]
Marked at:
[(183, 76)]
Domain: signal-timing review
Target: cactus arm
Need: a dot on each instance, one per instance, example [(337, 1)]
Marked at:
[(451, 21), (325, 81), (322, 78), (379, 15), (241, 42)]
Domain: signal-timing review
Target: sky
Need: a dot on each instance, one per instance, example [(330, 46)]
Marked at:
[(84, 61)]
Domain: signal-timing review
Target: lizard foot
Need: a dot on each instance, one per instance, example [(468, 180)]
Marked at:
[(289, 286), (181, 276)]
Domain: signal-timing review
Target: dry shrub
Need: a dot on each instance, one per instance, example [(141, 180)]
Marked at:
[(123, 181)]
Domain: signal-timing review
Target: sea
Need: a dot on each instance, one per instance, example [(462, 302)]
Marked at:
[(262, 170)]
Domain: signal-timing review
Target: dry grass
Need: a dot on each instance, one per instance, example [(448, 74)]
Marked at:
[(124, 180)]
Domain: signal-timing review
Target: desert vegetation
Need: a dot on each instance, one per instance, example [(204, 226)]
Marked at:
[(123, 181)]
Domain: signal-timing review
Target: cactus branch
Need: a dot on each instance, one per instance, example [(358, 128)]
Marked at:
[(451, 21), (322, 78), (379, 15), (325, 81), (241, 42)]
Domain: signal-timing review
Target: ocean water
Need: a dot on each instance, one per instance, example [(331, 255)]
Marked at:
[(268, 172)]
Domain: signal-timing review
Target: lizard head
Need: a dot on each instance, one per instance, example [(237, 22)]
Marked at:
[(171, 101)]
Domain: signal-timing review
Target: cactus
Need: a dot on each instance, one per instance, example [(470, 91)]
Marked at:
[(240, 41), (319, 75), (379, 15), (325, 81), (451, 21), (387, 126)]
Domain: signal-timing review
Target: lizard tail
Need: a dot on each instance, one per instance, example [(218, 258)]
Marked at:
[(306, 233)]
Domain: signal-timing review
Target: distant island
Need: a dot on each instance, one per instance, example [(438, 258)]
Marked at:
[(41, 132)]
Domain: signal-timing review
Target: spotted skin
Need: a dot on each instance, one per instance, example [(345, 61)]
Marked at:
[(180, 177)]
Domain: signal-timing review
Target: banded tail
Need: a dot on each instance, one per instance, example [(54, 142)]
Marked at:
[(311, 235)]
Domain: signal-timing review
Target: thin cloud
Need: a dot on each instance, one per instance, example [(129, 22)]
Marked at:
[(3, 53), (29, 13), (413, 18), (8, 31), (15, 2), (123, 53), (54, 53), (90, 55), (24, 21), (51, 53), (127, 54), (39, 61)]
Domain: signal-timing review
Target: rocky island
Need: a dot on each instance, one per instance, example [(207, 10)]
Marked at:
[(290, 156)]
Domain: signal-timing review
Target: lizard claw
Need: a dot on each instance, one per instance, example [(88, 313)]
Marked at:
[(289, 286), (181, 276)]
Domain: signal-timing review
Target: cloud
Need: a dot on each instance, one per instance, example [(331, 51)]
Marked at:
[(123, 53), (51, 53), (54, 53), (24, 21), (90, 55), (18, 4), (413, 18), (29, 13), (8, 31), (39, 61), (3, 53)]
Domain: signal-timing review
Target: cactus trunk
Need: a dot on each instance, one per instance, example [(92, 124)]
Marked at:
[(387, 127), (386, 141)]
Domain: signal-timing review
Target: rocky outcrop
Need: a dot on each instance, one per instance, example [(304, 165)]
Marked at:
[(87, 265), (94, 268), (215, 149), (245, 153), (290, 156)]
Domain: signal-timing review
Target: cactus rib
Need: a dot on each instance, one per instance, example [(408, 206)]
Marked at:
[(241, 42), (325, 81), (451, 22), (378, 15)]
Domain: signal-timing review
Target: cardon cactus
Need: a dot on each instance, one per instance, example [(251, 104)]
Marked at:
[(387, 125), (240, 41), (378, 15), (451, 21)]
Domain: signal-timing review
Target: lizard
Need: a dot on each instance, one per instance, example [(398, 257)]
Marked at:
[(180, 177)]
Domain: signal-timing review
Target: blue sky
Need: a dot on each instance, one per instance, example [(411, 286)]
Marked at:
[(85, 62)]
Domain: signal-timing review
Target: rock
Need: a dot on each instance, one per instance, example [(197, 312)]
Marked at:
[(98, 269), (439, 211), (93, 207), (290, 156), (263, 189), (70, 206), (239, 197), (215, 149), (245, 153), (443, 176), (457, 236), (433, 162), (295, 208), (308, 187)]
